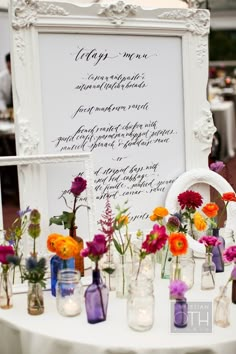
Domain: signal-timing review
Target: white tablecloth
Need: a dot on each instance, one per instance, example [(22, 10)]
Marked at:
[(51, 333), (224, 119)]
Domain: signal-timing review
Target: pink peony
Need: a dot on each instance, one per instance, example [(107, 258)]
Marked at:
[(4, 252), (155, 240), (229, 254), (78, 186)]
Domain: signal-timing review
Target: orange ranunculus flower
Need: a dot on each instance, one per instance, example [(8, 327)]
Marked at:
[(229, 197), (66, 247), (210, 210), (178, 243), (199, 222), (159, 213), (52, 238), (124, 220)]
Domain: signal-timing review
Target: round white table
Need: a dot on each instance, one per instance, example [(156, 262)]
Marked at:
[(51, 333)]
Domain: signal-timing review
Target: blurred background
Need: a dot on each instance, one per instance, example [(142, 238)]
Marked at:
[(221, 90)]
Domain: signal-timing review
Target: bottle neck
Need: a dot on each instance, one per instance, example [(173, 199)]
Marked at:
[(215, 232), (96, 276), (208, 257)]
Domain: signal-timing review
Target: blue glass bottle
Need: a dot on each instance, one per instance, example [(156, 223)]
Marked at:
[(96, 299), (217, 252), (56, 264)]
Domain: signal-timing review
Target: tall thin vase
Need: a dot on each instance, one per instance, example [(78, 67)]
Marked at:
[(79, 261), (208, 273), (5, 291), (166, 262), (56, 264), (221, 309), (96, 299), (217, 252), (123, 274), (233, 296), (108, 268)]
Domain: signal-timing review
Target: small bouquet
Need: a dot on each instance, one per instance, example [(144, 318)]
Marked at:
[(6, 255), (65, 247), (121, 241)]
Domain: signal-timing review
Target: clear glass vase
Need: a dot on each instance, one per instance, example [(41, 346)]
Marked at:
[(166, 262), (145, 267), (5, 290), (208, 273), (175, 269), (35, 299), (123, 275), (69, 293), (188, 269), (96, 299), (57, 264), (108, 268), (181, 313), (140, 304), (221, 308)]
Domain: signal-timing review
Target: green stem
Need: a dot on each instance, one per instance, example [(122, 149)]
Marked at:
[(164, 266), (209, 262), (139, 267)]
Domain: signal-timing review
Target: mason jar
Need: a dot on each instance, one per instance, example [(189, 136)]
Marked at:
[(140, 304), (69, 292)]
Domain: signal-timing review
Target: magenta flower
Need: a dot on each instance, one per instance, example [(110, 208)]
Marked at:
[(178, 289), (209, 242), (155, 240), (229, 254), (4, 252), (78, 186), (217, 166), (96, 248)]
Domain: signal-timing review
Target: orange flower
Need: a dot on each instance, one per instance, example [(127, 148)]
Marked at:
[(124, 220), (52, 238), (159, 213), (178, 243), (66, 247), (210, 210), (199, 222), (229, 197)]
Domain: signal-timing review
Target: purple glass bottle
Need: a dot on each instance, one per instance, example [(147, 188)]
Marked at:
[(181, 313), (96, 299), (217, 252), (56, 264)]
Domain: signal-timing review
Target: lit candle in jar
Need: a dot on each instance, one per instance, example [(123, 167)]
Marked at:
[(144, 318), (71, 308)]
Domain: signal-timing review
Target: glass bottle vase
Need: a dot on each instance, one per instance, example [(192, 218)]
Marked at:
[(166, 262), (69, 293), (5, 290), (145, 267), (233, 294), (35, 299), (96, 299), (108, 269), (221, 309), (175, 269), (123, 274), (187, 269), (208, 273), (140, 304), (79, 260), (181, 313), (217, 252), (56, 264)]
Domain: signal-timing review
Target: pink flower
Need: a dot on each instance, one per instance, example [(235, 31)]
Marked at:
[(4, 252), (210, 241), (178, 289), (229, 254), (96, 248), (217, 166), (78, 186), (155, 240)]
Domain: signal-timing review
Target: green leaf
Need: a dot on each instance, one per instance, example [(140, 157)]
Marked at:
[(56, 220), (117, 246), (67, 219), (108, 270)]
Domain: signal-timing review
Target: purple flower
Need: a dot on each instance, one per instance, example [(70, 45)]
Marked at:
[(21, 213), (178, 289), (78, 186), (229, 254), (233, 273), (217, 166), (96, 248)]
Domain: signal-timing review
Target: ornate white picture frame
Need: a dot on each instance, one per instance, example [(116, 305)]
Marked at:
[(175, 42)]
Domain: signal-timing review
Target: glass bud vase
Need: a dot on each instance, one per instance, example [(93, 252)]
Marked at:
[(69, 293), (208, 273), (233, 296), (140, 304), (187, 269), (221, 309), (217, 252), (35, 299), (96, 299), (5, 290), (175, 269), (144, 268), (56, 264), (123, 274), (108, 268), (166, 262), (181, 313)]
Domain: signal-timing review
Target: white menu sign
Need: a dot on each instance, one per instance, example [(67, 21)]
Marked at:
[(120, 97)]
